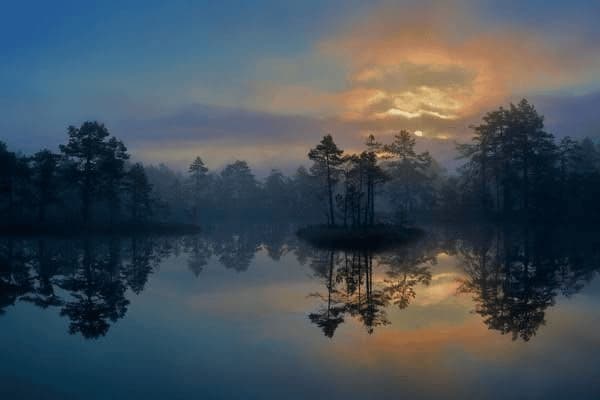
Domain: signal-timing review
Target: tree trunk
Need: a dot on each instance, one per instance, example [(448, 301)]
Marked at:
[(526, 184), (346, 202), (330, 191), (372, 221), (368, 204)]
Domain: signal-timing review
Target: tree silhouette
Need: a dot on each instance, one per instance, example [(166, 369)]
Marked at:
[(327, 157), (86, 149), (277, 193), (409, 172), (198, 180), (238, 187), (14, 189), (514, 159)]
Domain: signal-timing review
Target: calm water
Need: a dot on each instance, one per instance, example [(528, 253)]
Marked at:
[(253, 313)]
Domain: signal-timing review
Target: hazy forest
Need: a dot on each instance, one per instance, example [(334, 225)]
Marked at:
[(513, 169)]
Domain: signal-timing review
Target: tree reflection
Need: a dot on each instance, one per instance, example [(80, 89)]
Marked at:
[(15, 280), (354, 290), (199, 251), (330, 316), (236, 250), (45, 267), (87, 279), (407, 268), (514, 275), (143, 257)]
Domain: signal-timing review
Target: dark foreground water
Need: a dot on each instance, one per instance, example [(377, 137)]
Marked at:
[(253, 313)]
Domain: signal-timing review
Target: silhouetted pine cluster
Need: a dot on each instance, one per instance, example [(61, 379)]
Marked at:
[(515, 168), (90, 182)]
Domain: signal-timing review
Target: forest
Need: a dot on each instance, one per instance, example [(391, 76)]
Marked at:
[(512, 169)]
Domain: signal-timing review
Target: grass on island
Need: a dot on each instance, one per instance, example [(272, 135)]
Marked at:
[(371, 237)]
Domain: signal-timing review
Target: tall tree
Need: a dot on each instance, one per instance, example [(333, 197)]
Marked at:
[(515, 158), (277, 192), (535, 156), (408, 171), (8, 172), (304, 182), (198, 180), (327, 157), (238, 186), (374, 175), (86, 148)]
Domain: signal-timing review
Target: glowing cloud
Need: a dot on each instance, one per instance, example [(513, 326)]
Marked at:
[(420, 68), (443, 62)]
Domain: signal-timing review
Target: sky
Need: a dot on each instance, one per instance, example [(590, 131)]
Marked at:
[(264, 80)]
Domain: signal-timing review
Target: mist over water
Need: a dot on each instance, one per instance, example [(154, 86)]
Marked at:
[(251, 311)]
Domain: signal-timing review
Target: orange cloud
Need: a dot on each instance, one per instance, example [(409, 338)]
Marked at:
[(441, 62), (433, 64)]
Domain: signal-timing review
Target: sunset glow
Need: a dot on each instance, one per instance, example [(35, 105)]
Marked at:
[(181, 87)]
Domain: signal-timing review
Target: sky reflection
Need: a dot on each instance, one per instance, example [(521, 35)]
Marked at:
[(247, 332)]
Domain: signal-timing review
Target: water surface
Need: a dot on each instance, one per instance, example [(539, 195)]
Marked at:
[(251, 312)]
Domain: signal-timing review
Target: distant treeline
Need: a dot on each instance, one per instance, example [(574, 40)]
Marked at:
[(513, 169)]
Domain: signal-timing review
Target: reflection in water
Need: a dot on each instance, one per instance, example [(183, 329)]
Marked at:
[(353, 290), (513, 276), (86, 279)]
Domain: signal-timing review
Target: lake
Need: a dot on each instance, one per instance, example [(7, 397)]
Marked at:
[(252, 312)]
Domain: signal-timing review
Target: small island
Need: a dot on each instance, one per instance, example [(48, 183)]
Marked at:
[(354, 203)]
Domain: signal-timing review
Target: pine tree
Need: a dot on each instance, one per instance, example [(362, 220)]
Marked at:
[(327, 158), (197, 173)]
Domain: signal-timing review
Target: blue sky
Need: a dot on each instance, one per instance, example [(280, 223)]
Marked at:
[(263, 80)]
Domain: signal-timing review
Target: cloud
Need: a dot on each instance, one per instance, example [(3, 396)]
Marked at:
[(435, 68), (444, 61), (203, 122), (267, 140), (224, 134)]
